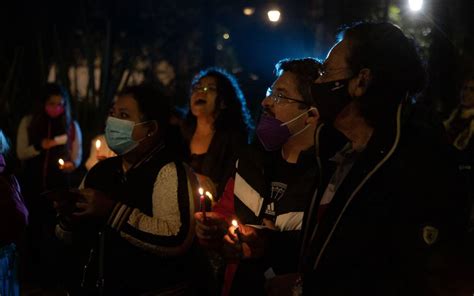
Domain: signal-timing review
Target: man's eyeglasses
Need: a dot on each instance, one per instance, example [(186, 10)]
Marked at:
[(204, 89), (278, 97)]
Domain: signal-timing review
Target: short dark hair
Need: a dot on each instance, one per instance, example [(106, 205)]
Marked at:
[(153, 104), (394, 62), (306, 71), (391, 56)]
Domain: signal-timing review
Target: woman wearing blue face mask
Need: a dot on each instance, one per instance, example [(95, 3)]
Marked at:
[(142, 200)]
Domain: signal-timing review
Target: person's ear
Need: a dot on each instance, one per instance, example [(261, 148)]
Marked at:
[(152, 127), (313, 116), (362, 82)]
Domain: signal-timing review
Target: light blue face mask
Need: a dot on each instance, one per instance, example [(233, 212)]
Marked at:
[(118, 134)]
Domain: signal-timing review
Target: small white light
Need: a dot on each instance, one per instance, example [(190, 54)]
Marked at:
[(201, 191), (235, 223), (274, 15), (61, 162), (415, 5), (226, 36), (98, 144), (249, 11), (208, 194)]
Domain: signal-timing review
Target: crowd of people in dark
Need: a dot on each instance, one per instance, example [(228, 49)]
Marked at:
[(345, 185)]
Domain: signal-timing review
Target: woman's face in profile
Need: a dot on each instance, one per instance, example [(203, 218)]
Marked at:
[(203, 97)]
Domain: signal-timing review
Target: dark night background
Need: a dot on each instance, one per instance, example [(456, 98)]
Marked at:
[(120, 42)]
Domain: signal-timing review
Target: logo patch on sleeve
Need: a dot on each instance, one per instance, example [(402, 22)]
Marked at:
[(430, 234)]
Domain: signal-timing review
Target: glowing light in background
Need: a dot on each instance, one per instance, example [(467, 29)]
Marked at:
[(226, 36), (249, 11), (415, 5), (274, 15)]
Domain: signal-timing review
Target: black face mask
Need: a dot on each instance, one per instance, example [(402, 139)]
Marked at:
[(330, 98)]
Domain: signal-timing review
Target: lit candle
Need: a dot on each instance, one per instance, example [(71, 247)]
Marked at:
[(202, 203), (237, 230), (209, 195), (61, 163), (98, 143)]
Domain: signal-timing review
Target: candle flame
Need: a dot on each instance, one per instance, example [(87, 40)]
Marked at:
[(208, 194), (98, 143), (201, 191), (235, 223), (61, 162)]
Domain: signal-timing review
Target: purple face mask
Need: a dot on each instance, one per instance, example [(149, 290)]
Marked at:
[(272, 133), (54, 111)]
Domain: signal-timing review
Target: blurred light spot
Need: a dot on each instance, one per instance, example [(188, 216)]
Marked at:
[(226, 36), (415, 5), (249, 11), (274, 15)]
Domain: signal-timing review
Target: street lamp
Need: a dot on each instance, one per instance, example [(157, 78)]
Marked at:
[(274, 15), (415, 5)]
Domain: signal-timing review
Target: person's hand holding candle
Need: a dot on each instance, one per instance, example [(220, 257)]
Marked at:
[(211, 231), (242, 241), (66, 166)]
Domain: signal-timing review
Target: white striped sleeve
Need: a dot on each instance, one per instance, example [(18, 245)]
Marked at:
[(164, 232)]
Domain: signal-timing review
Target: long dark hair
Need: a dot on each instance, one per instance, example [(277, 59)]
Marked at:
[(235, 115)]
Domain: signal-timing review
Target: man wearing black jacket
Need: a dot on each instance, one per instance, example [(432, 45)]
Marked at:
[(389, 205)]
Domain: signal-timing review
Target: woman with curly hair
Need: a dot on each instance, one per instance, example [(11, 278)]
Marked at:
[(217, 125)]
